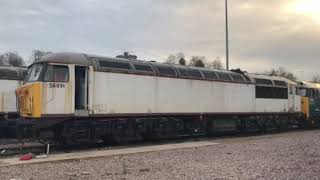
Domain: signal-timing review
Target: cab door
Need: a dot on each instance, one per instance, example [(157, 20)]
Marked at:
[(81, 84)]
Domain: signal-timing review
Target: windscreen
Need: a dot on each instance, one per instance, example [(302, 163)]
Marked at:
[(34, 72)]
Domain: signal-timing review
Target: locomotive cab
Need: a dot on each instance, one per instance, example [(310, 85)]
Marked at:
[(54, 89)]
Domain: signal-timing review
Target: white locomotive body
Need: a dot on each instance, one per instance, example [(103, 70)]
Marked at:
[(135, 94), (276, 94), (10, 79), (81, 88)]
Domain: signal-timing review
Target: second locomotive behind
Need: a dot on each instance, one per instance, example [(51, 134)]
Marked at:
[(10, 79)]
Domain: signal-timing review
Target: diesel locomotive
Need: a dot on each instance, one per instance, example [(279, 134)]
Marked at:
[(76, 97)]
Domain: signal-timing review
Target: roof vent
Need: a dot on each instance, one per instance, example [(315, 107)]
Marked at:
[(126, 55)]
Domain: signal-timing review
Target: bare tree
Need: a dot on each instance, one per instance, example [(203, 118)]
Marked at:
[(180, 55), (15, 60), (176, 58), (171, 59), (2, 60), (281, 72), (38, 54), (216, 64), (197, 61), (181, 58), (11, 59), (316, 78)]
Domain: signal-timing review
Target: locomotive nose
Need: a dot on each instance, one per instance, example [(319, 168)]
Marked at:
[(24, 105), (29, 100)]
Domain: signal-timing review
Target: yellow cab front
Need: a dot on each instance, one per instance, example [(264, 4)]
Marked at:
[(46, 91)]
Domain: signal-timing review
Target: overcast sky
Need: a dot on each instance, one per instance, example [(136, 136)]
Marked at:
[(263, 33)]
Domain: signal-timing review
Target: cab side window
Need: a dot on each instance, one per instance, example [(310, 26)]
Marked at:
[(57, 73)]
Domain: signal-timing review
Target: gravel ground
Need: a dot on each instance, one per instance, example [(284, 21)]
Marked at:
[(286, 156)]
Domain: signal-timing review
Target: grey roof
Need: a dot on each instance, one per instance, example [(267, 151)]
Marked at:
[(78, 59), (12, 73), (85, 59), (94, 60), (273, 78), (67, 58)]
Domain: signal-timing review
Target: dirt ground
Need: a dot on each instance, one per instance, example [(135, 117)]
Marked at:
[(294, 155)]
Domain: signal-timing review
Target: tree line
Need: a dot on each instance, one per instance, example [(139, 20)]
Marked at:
[(12, 58), (281, 72), (197, 61), (201, 61)]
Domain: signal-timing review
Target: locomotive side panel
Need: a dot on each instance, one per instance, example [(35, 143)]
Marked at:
[(272, 105), (8, 96), (126, 93), (294, 97), (276, 95), (297, 103), (240, 96), (112, 94)]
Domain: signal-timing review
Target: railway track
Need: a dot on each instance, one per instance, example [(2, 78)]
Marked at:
[(10, 147)]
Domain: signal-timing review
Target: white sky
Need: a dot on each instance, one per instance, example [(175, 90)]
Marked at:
[(263, 33)]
